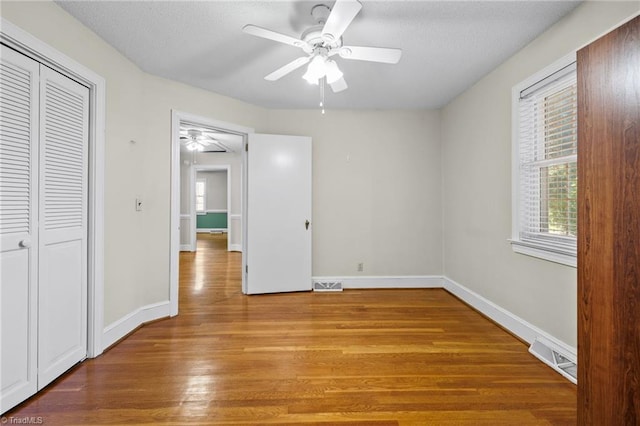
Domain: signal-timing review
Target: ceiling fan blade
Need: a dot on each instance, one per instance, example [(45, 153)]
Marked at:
[(223, 147), (272, 35), (291, 66), (227, 141), (339, 85), (375, 54), (342, 13), (213, 141), (223, 136)]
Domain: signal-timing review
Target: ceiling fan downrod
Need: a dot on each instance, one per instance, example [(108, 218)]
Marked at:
[(320, 13)]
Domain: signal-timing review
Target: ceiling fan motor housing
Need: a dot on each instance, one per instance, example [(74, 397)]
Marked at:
[(313, 37)]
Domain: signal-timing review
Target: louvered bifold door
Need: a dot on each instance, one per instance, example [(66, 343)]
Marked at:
[(18, 231), (62, 331)]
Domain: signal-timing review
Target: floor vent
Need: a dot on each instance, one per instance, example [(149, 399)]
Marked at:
[(327, 286), (556, 358)]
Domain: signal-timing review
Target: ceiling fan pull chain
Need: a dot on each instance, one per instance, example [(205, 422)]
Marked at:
[(322, 80)]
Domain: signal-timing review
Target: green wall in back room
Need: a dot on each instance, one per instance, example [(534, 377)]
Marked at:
[(211, 220)]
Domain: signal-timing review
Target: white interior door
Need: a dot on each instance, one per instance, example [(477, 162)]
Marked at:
[(278, 257), (62, 290), (18, 229)]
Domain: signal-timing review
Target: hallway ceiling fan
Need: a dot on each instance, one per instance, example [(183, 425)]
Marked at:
[(322, 42), (198, 140)]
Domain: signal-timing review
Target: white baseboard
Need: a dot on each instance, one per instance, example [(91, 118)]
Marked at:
[(235, 247), (207, 230), (407, 281), (125, 325), (185, 247), (516, 325)]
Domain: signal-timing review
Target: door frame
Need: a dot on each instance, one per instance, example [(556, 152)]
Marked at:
[(192, 198), (174, 221), (23, 42)]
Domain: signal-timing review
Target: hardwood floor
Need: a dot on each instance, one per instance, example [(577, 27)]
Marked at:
[(371, 357)]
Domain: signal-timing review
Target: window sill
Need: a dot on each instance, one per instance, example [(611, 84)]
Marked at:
[(543, 253)]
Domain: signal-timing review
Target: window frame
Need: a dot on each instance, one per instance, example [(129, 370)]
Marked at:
[(204, 196), (540, 250)]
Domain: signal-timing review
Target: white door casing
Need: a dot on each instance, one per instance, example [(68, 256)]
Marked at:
[(176, 118), (62, 290), (278, 257), (18, 227)]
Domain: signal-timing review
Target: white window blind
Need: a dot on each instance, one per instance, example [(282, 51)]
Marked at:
[(547, 163)]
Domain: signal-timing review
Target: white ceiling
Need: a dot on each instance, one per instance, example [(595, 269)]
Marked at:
[(447, 46)]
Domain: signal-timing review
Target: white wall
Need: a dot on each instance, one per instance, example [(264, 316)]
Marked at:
[(185, 180), (215, 188), (376, 189), (138, 108), (476, 158), (185, 199)]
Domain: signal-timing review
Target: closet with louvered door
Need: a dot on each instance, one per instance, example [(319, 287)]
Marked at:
[(43, 225)]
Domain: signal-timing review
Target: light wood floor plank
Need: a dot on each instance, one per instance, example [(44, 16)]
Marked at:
[(365, 357)]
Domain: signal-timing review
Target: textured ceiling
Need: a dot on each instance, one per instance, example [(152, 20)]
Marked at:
[(447, 46)]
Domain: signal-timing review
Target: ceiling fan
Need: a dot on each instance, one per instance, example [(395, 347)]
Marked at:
[(197, 140), (323, 41)]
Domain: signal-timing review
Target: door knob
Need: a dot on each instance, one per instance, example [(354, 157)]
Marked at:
[(306, 224), (25, 243)]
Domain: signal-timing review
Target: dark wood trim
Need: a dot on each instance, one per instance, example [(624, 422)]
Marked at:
[(609, 228)]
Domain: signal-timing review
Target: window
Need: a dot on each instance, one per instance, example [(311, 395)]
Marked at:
[(201, 196), (545, 164)]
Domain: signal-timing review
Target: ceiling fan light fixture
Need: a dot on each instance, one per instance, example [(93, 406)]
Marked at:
[(310, 78), (333, 73), (316, 70), (194, 146)]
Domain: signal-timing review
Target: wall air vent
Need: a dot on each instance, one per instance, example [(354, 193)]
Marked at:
[(327, 286), (556, 358)]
